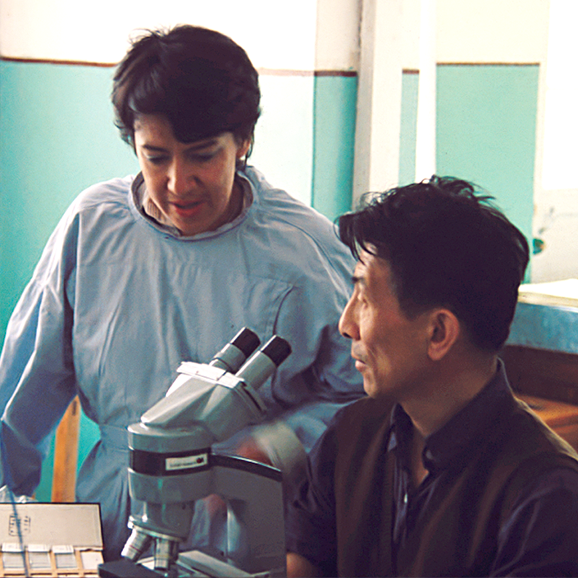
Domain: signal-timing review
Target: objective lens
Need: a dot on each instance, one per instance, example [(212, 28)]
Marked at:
[(166, 552), (135, 546)]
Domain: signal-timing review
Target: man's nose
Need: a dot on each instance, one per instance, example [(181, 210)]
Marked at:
[(347, 324)]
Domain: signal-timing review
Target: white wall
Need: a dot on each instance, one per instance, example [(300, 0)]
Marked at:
[(276, 35), (492, 31), (390, 41), (416, 34), (337, 43), (556, 198)]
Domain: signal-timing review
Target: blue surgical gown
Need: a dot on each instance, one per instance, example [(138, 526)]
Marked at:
[(117, 301)]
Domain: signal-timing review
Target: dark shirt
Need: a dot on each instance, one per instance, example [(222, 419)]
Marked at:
[(538, 537)]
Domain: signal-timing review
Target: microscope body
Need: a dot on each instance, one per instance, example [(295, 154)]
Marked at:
[(172, 465)]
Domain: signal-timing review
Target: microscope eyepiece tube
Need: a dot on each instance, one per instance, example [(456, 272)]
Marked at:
[(260, 366), (232, 356), (277, 350)]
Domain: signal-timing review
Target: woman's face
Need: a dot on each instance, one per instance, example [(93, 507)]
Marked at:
[(191, 184)]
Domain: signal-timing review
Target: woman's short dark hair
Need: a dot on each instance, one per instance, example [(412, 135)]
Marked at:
[(446, 246), (202, 81)]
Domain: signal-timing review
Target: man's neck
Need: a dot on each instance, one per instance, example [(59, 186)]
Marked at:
[(418, 470), (448, 392)]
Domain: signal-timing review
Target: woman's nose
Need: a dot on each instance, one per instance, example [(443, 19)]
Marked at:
[(179, 178)]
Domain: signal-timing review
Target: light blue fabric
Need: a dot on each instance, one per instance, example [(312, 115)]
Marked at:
[(118, 301)]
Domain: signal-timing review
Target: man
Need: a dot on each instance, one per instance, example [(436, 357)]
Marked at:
[(440, 471)]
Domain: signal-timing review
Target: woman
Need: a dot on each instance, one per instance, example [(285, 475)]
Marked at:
[(144, 272)]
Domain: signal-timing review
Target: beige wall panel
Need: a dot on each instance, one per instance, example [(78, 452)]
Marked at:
[(278, 35), (508, 31)]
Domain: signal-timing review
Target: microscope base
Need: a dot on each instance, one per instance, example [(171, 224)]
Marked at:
[(193, 564), (124, 568)]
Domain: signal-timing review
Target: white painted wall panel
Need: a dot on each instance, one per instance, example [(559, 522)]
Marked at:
[(337, 45), (275, 34), (498, 31), (561, 111), (284, 134), (556, 197)]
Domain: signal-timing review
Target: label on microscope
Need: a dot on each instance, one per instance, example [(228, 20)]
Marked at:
[(186, 462)]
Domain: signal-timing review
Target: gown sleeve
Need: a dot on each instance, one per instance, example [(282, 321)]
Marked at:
[(308, 396), (37, 380)]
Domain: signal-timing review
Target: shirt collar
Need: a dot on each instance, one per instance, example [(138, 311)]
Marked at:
[(140, 199), (445, 447)]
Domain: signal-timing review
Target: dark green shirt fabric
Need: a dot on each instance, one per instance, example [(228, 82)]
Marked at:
[(501, 496)]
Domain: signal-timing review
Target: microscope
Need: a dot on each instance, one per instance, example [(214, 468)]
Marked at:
[(172, 465)]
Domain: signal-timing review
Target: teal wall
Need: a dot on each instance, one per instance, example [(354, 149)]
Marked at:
[(408, 127), (486, 132), (56, 138), (333, 144)]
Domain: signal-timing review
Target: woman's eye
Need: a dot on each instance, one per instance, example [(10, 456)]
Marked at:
[(156, 160), (202, 158)]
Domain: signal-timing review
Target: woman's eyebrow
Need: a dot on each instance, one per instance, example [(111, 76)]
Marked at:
[(193, 147)]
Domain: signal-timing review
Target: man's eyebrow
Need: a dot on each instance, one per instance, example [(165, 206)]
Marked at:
[(358, 280)]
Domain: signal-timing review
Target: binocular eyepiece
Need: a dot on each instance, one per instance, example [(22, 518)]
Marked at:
[(241, 357)]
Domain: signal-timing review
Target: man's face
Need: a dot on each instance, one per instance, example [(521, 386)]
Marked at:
[(389, 349), (191, 184)]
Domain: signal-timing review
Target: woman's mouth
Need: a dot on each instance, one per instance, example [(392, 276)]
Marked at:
[(188, 210)]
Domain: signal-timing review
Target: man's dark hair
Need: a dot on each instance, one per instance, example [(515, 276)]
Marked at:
[(446, 246), (202, 81)]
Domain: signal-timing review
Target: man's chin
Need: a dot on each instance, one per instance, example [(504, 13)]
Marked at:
[(370, 389)]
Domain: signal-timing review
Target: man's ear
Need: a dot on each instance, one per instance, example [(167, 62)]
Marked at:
[(444, 330)]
